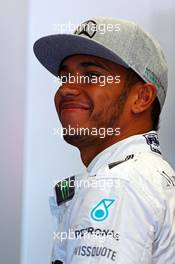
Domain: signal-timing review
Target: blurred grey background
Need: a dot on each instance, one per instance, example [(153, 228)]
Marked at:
[(32, 158)]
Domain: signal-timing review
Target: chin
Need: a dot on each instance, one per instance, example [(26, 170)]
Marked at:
[(74, 140), (79, 140)]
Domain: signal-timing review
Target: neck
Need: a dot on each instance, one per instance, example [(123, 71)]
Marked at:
[(89, 151)]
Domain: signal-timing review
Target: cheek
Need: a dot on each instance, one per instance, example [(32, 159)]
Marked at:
[(103, 99)]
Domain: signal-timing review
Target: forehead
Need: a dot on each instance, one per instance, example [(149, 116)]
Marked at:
[(83, 60)]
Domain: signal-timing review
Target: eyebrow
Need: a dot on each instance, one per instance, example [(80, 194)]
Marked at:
[(65, 67), (96, 64)]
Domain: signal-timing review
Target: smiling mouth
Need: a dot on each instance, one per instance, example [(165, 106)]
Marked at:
[(73, 106)]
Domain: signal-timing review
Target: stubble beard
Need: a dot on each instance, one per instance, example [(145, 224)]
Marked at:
[(112, 117)]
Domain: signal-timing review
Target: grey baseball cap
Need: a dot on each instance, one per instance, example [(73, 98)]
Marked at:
[(120, 41)]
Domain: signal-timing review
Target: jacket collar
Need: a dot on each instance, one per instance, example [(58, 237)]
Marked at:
[(125, 149)]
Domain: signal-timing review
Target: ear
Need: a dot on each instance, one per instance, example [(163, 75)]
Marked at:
[(143, 97)]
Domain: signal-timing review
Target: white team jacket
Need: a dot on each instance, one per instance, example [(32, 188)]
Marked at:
[(121, 211)]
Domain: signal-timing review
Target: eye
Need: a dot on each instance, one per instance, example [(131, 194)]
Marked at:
[(92, 74), (63, 77)]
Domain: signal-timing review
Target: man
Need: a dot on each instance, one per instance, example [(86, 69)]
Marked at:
[(123, 209)]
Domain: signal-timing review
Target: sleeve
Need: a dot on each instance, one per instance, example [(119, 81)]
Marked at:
[(113, 222), (164, 244)]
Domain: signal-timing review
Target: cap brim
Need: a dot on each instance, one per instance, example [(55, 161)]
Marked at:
[(51, 50)]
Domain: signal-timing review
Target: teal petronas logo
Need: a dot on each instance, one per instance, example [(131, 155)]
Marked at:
[(101, 211)]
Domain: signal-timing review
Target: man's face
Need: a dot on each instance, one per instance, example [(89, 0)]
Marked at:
[(90, 104)]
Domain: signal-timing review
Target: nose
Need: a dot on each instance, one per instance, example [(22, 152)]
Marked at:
[(66, 92), (69, 91)]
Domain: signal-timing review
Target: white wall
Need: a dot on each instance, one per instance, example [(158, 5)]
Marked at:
[(13, 25), (47, 157)]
